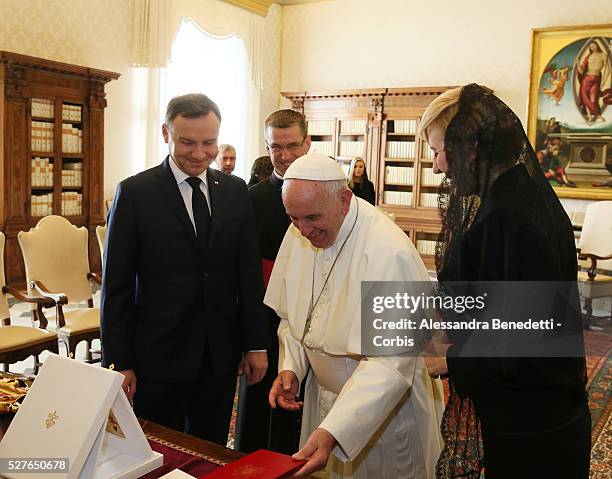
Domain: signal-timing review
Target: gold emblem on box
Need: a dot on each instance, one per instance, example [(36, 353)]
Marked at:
[(52, 418)]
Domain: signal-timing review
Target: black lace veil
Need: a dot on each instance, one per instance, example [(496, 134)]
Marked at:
[(482, 140)]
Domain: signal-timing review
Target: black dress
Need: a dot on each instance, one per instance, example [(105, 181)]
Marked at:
[(258, 425), (365, 190), (533, 411)]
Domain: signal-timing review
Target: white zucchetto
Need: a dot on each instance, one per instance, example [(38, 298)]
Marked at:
[(316, 167)]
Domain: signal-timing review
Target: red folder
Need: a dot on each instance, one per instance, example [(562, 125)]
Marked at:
[(262, 464)]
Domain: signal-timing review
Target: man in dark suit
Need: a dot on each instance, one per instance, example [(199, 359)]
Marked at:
[(182, 290), (286, 138)]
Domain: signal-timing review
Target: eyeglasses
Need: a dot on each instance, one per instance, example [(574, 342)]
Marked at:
[(291, 148)]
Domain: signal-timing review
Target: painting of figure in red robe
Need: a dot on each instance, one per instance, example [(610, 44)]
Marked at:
[(574, 114)]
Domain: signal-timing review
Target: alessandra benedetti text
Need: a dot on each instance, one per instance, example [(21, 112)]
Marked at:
[(473, 324)]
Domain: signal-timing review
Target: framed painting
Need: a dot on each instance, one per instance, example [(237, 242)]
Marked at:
[(570, 109)]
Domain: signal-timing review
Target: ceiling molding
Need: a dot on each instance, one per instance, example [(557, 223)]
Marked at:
[(260, 7), (287, 3)]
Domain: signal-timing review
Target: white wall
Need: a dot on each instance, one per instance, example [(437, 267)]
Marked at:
[(346, 44)]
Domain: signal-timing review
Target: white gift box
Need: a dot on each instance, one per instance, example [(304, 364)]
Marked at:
[(66, 415)]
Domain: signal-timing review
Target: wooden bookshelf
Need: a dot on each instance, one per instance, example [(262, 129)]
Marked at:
[(52, 117)]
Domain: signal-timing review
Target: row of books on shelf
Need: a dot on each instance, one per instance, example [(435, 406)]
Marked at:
[(72, 204), (42, 205), (323, 147), (429, 178), (351, 148), (352, 127), (401, 149), (426, 246), (429, 200), (42, 108), (42, 136), (406, 127), (42, 172), (72, 139), (399, 175), (71, 113), (404, 198), (399, 198), (72, 178), (321, 127)]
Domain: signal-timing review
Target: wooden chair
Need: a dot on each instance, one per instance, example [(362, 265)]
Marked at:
[(101, 235), (20, 342), (595, 246), (55, 253)]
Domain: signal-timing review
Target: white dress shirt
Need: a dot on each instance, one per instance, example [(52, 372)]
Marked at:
[(185, 188)]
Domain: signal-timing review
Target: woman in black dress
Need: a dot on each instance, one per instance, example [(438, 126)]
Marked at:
[(501, 221), (358, 181)]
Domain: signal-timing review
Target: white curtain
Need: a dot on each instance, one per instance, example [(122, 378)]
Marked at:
[(218, 67), (150, 34), (156, 25)]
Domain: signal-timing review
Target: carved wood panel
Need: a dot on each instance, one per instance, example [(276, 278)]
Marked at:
[(16, 156)]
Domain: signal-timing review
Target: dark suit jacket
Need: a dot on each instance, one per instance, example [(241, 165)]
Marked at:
[(164, 300), (271, 219)]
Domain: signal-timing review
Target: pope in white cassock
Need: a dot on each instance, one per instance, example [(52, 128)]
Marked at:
[(365, 417)]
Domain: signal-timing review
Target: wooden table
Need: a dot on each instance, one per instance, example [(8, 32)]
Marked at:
[(219, 453)]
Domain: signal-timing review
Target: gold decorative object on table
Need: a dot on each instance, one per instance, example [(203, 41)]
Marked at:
[(13, 389)]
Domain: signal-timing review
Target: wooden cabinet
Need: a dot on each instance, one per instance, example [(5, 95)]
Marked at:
[(381, 126), (52, 143), (340, 123)]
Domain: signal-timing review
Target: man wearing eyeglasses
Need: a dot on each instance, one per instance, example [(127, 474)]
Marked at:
[(286, 137)]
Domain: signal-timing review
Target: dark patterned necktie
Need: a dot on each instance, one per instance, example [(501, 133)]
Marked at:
[(201, 213)]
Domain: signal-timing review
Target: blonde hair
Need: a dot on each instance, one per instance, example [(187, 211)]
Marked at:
[(351, 172), (440, 112)]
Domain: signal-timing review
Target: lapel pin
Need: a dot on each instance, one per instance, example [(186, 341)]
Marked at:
[(216, 182)]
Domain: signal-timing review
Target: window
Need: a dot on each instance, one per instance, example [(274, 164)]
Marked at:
[(219, 68)]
